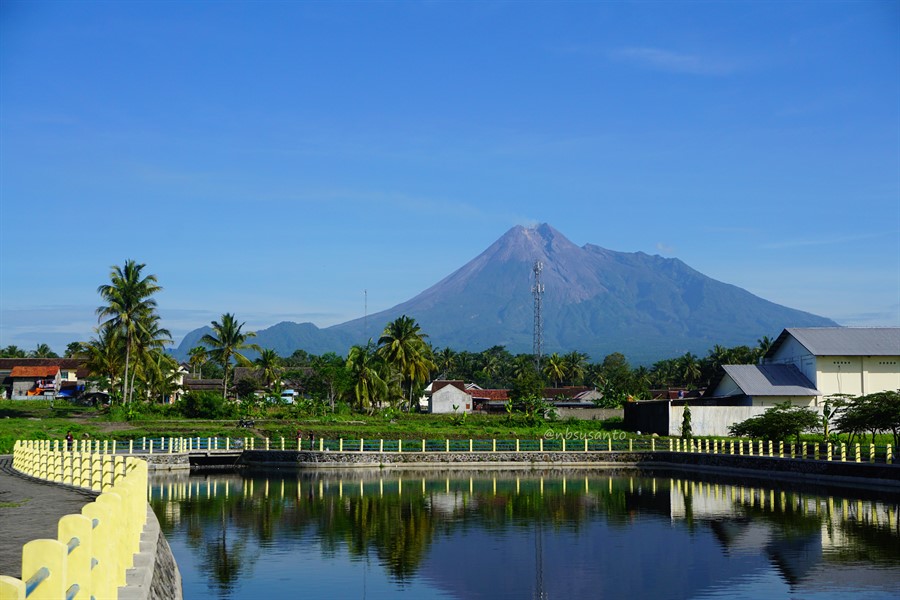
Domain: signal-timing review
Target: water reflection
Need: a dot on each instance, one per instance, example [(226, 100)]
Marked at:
[(544, 535)]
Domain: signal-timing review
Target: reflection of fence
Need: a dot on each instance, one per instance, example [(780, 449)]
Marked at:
[(553, 441), (93, 549)]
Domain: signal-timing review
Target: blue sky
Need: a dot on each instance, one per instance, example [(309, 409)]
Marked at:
[(275, 160)]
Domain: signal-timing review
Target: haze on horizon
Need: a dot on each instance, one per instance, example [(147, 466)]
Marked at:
[(291, 161)]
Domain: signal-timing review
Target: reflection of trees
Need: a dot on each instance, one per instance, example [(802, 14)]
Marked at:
[(399, 522)]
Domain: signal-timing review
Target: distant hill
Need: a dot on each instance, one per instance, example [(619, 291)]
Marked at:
[(596, 301)]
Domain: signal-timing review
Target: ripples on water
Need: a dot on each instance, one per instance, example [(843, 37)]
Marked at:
[(559, 534)]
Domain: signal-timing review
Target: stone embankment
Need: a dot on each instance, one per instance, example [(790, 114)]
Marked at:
[(866, 474)]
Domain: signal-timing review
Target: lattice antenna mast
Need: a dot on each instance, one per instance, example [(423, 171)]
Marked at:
[(537, 291)]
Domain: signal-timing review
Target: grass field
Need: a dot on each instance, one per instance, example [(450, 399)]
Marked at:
[(38, 420)]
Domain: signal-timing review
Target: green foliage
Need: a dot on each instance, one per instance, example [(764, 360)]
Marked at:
[(686, 430), (778, 423), (205, 405), (873, 413)]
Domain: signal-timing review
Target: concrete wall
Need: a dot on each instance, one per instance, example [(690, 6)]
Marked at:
[(443, 401), (590, 414), (857, 375), (711, 420)]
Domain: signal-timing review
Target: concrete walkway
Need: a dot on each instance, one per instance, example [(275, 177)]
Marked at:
[(30, 509)]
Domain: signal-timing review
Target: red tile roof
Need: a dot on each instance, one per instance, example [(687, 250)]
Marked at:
[(34, 372), (490, 394)]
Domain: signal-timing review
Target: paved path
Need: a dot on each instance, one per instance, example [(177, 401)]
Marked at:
[(30, 509)]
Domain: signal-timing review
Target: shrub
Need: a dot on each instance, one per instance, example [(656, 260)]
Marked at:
[(871, 413), (686, 431), (205, 405), (778, 423)]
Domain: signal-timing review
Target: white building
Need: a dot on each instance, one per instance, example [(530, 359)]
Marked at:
[(807, 365), (449, 397)]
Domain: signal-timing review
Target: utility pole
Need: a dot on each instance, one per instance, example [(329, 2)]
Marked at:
[(537, 291)]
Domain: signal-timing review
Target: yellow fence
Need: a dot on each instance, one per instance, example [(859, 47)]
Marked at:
[(94, 549)]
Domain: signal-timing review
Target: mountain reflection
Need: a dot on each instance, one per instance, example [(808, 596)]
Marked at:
[(546, 526)]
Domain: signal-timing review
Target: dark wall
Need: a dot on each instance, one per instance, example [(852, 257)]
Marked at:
[(647, 417)]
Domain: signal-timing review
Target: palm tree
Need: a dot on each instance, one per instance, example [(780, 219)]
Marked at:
[(129, 302), (575, 366), (445, 360), (226, 341), (150, 340), (765, 342), (103, 355), (268, 367), (43, 351), (198, 357), (12, 351), (369, 387), (555, 368), (403, 347), (689, 369)]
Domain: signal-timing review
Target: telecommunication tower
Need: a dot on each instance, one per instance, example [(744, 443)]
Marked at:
[(537, 291)]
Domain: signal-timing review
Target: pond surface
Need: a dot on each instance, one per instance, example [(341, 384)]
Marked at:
[(545, 534)]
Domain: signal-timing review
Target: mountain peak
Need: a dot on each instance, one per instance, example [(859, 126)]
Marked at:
[(596, 301)]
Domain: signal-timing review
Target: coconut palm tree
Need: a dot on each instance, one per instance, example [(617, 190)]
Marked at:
[(369, 387), (198, 357), (151, 338), (103, 355), (402, 346), (445, 360), (43, 351), (575, 366), (129, 301), (689, 368), (555, 368), (268, 367), (226, 342)]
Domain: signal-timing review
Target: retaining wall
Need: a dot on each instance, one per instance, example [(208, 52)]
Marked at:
[(865, 473)]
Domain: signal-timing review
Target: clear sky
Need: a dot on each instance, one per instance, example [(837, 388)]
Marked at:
[(279, 160)]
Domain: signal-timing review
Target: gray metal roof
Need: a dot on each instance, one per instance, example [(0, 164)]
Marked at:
[(844, 341), (771, 380)]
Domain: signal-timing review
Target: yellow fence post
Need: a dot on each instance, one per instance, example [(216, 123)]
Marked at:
[(340, 444), (47, 558), (888, 455), (447, 445), (857, 453), (828, 451), (103, 576), (76, 532), (12, 588), (541, 444), (470, 445), (321, 444), (871, 452), (780, 449), (843, 452), (282, 442)]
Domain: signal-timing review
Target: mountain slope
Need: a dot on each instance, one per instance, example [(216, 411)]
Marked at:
[(596, 301)]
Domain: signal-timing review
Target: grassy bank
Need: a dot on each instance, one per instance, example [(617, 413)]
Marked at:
[(38, 420)]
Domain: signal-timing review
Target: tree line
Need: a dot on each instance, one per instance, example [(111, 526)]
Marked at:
[(127, 357)]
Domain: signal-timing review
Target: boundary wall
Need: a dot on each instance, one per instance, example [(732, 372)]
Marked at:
[(110, 549)]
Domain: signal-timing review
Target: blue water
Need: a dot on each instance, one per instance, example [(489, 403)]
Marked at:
[(560, 534)]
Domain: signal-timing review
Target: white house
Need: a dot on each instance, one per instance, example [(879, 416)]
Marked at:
[(807, 365), (445, 395), (842, 360)]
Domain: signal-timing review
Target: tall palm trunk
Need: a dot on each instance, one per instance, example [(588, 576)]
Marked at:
[(125, 379)]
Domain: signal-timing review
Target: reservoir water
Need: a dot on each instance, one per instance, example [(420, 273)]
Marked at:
[(529, 534)]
